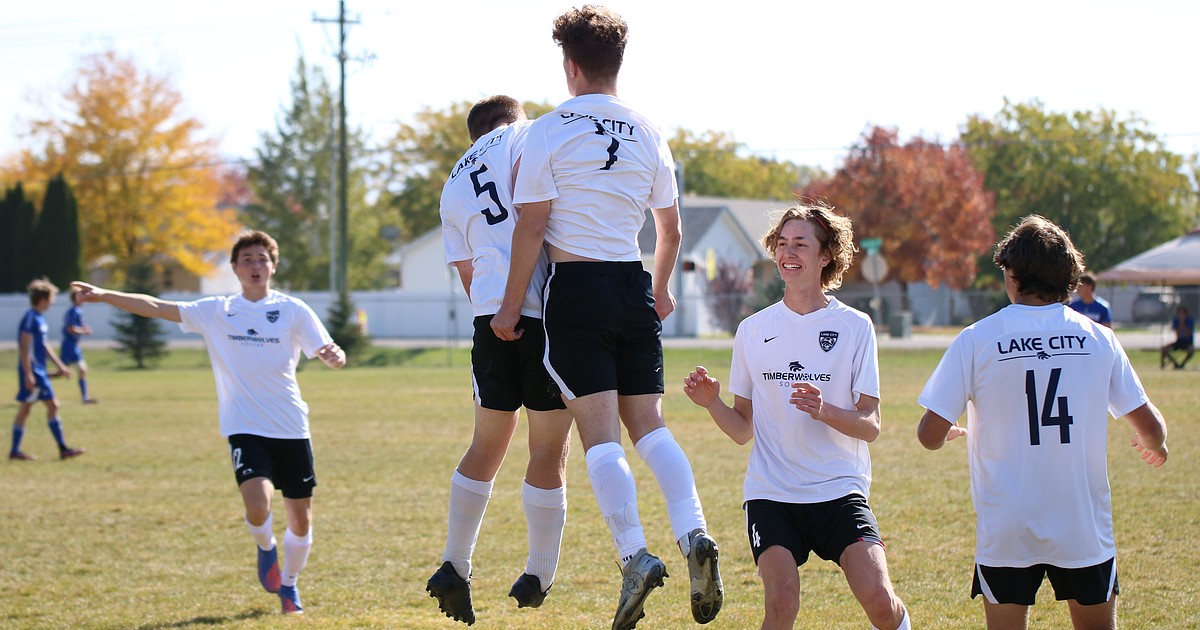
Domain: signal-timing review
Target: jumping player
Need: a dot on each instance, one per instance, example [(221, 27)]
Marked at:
[(805, 383), (589, 171), (33, 382), (477, 224), (254, 341), (71, 352), (1040, 487)]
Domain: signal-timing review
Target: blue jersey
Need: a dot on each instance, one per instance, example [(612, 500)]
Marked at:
[(1098, 311), (73, 319), (34, 324)]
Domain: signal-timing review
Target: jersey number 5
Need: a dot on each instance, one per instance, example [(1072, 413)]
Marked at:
[(490, 189), (1047, 417)]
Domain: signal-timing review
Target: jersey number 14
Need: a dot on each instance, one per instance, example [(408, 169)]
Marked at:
[(1046, 416)]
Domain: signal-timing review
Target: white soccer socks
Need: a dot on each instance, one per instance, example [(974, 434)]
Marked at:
[(616, 495), (468, 501), (295, 555), (671, 468), (546, 516), (262, 533)]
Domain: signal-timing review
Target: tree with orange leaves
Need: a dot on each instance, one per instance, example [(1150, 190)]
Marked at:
[(144, 177), (926, 201)]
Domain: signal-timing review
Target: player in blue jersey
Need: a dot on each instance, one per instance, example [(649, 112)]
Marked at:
[(1090, 304), (71, 353), (33, 382)]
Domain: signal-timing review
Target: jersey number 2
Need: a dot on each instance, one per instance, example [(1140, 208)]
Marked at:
[(490, 189), (1047, 417)]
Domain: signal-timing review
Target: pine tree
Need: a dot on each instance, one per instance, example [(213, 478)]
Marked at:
[(16, 230), (140, 337), (56, 235), (344, 326)]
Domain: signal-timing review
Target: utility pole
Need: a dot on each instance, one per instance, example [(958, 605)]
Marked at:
[(343, 238)]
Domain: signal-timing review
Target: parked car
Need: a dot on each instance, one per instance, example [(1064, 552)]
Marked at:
[(1154, 304)]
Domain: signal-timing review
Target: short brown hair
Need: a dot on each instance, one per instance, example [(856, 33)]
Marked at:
[(41, 289), (255, 237), (1043, 260), (1088, 279), (833, 231), (492, 112), (594, 37)]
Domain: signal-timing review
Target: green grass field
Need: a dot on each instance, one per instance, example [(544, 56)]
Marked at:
[(146, 530)]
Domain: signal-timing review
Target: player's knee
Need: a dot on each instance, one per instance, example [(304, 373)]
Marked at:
[(782, 600), (883, 607)]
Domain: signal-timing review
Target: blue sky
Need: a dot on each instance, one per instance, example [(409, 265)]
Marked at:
[(796, 80)]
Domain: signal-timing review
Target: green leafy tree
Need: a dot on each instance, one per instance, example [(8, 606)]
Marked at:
[(1107, 180), (140, 338), (926, 201), (715, 164), (417, 160), (17, 215), (56, 235), (293, 196)]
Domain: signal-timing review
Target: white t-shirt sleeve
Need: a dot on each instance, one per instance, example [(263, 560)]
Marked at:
[(949, 387), (739, 373), (866, 365), (195, 316), (1125, 391), (308, 330), (454, 241), (664, 192), (535, 179)]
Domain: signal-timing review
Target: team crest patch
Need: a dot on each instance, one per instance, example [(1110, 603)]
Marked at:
[(273, 316), (828, 338)]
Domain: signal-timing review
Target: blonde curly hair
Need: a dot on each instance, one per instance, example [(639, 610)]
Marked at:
[(833, 231)]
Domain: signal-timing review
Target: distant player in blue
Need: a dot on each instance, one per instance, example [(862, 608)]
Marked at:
[(33, 383), (1184, 327), (1089, 304), (71, 354)]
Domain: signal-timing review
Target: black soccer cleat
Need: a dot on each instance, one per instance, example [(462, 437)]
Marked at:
[(527, 590), (453, 593)]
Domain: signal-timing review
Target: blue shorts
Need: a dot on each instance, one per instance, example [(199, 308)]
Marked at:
[(71, 353), (41, 387)]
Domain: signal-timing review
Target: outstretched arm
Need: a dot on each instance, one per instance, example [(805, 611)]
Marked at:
[(136, 303), (1150, 433)]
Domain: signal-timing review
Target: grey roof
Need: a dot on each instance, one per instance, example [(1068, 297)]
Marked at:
[(695, 222)]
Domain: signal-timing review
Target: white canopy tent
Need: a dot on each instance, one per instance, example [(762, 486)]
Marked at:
[(1176, 262)]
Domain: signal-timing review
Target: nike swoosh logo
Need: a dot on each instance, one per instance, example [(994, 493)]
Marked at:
[(308, 479), (230, 314), (768, 339)]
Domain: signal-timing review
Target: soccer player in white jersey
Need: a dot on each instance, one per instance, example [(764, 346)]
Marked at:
[(805, 384), (254, 341), (477, 224), (1038, 381), (589, 171)]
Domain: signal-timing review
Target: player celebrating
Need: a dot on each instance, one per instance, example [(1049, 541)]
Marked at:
[(254, 340), (1040, 488), (805, 381), (71, 352), (33, 382), (477, 224), (589, 171)]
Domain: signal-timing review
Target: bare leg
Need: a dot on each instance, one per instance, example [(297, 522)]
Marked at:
[(865, 566), (781, 587)]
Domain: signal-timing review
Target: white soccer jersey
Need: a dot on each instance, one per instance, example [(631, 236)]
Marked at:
[(1037, 383), (477, 219), (254, 347), (794, 458), (602, 164)]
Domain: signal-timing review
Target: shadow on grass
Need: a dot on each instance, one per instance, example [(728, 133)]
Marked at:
[(205, 620)]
